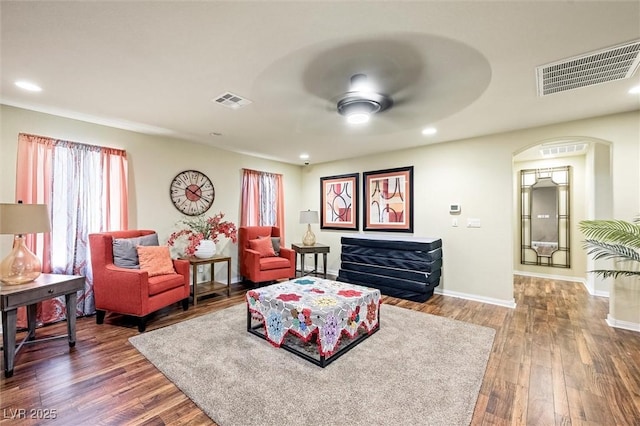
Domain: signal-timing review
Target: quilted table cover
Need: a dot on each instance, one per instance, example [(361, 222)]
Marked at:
[(306, 306)]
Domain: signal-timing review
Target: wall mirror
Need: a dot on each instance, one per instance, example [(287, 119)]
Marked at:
[(544, 212)]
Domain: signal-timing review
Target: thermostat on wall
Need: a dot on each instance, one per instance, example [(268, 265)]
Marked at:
[(455, 208)]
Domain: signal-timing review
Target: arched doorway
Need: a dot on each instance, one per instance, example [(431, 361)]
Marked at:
[(590, 198)]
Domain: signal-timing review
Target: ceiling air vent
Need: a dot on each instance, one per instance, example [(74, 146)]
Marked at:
[(615, 63), (231, 100)]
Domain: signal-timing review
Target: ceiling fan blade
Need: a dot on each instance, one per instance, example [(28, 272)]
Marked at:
[(389, 65)]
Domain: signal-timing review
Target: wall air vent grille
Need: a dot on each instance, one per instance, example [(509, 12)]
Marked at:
[(567, 149), (615, 63), (231, 100)]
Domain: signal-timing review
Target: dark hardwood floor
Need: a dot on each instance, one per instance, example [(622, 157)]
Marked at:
[(554, 361)]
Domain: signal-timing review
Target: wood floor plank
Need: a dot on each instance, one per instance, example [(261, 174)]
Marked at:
[(629, 379), (554, 361), (540, 409), (500, 404), (480, 409), (520, 404), (560, 399), (576, 407)]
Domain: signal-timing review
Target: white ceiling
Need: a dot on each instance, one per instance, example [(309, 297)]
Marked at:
[(466, 68)]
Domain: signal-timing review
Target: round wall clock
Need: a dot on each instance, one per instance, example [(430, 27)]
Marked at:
[(192, 192)]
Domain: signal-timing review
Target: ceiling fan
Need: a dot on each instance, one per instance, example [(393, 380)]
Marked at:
[(361, 101), (405, 76)]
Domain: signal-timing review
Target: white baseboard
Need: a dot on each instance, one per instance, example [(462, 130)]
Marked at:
[(581, 280), (599, 293), (476, 298), (500, 302), (623, 324), (333, 272)]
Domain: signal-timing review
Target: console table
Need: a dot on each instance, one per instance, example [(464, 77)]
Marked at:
[(211, 286), (302, 250), (46, 286), (405, 267)]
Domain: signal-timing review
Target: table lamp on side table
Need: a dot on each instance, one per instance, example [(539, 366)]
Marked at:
[(309, 217), (22, 265)]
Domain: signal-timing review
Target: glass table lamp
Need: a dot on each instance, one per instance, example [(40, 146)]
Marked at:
[(22, 265), (309, 217)]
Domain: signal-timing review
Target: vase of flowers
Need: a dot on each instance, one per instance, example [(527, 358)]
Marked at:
[(205, 250), (201, 229)]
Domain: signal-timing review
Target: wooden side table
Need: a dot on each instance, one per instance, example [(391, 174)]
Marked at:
[(46, 286), (302, 250), (211, 286)]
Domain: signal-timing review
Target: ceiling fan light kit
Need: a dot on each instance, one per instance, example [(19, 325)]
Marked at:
[(359, 105), (358, 118)]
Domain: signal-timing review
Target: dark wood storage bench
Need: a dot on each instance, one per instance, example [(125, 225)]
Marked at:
[(404, 267)]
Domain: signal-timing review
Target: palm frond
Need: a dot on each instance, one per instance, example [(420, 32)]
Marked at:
[(613, 239), (606, 273), (601, 250), (612, 231)]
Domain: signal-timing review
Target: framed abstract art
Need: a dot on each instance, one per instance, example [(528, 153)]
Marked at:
[(339, 202), (388, 200)]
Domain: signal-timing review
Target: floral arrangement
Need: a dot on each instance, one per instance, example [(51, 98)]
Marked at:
[(199, 228)]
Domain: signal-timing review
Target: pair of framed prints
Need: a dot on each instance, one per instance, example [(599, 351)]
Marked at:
[(387, 200)]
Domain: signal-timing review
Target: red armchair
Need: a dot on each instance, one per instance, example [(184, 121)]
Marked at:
[(260, 269), (132, 291)]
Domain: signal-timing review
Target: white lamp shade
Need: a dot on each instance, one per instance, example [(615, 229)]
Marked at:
[(24, 218), (309, 216)]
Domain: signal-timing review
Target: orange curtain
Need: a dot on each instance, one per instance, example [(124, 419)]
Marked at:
[(250, 207), (85, 189), (34, 186), (280, 206), (262, 200)]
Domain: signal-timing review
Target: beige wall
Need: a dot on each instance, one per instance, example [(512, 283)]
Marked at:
[(153, 162), (477, 173), (599, 206)]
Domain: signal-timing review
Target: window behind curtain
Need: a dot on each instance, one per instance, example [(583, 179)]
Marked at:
[(262, 200), (85, 189)]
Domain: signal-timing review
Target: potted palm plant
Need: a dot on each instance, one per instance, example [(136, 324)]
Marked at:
[(614, 239)]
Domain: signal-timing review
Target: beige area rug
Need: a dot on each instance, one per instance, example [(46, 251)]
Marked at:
[(418, 369)]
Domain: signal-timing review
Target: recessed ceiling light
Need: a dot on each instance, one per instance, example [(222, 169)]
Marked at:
[(634, 90), (429, 131), (26, 85), (304, 156)]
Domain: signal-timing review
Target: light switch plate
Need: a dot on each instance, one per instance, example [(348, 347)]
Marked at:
[(473, 223)]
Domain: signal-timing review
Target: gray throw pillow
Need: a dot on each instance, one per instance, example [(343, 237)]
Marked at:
[(125, 254), (275, 242)]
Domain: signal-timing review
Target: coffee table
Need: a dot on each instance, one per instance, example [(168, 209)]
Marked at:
[(314, 318)]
